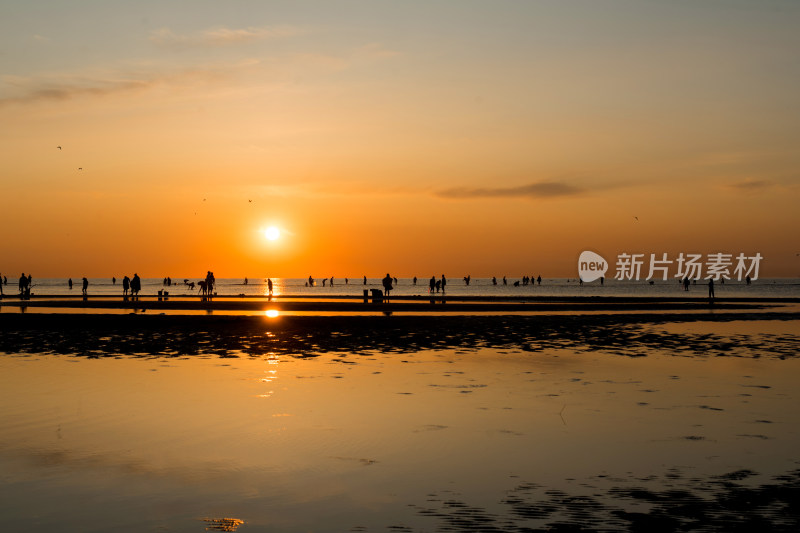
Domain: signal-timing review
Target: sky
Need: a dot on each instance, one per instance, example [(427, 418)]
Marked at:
[(415, 137)]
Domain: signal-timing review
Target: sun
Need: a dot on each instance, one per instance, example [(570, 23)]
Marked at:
[(272, 233)]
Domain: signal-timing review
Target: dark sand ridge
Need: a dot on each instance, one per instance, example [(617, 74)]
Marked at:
[(629, 334), (416, 304)]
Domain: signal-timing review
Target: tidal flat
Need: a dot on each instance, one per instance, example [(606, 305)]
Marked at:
[(492, 423)]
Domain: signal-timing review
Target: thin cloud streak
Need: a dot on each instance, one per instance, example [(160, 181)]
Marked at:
[(545, 189), (164, 37), (751, 185)]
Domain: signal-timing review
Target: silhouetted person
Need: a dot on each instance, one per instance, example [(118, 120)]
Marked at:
[(438, 285), (1, 285), (505, 281), (365, 280), (210, 282), (85, 286), (346, 281), (602, 279), (310, 281), (432, 284), (324, 281), (245, 281), (711, 289), (539, 280), (136, 285), (444, 282), (686, 283), (69, 282), (387, 285), (126, 284), (747, 280), (114, 280), (494, 280), (23, 282), (415, 280), (269, 286)]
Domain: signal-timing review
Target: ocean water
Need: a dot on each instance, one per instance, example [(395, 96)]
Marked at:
[(556, 287)]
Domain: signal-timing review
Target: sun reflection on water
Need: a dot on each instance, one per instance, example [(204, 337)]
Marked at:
[(271, 313)]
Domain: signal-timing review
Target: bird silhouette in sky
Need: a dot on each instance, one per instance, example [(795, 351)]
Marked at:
[(637, 219), (58, 147), (80, 168)]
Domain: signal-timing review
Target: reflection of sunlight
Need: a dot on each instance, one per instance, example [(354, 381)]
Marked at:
[(271, 375), (271, 313)]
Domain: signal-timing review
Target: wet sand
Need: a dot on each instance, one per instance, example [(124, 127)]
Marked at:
[(622, 420)]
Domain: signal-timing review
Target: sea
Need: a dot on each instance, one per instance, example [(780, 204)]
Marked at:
[(478, 287)]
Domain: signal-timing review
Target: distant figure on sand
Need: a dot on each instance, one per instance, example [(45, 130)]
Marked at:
[(23, 283), (444, 282), (69, 282), (114, 280), (126, 284), (269, 286), (432, 284), (415, 280), (310, 281), (711, 289), (387, 285), (539, 280), (85, 286), (365, 280)]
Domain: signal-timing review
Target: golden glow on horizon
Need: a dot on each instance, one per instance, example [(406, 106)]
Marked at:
[(271, 313)]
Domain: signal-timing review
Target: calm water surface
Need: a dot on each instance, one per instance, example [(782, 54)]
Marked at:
[(451, 439)]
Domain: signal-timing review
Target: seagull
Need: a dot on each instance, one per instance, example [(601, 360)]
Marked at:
[(637, 218), (80, 168), (58, 147), (251, 201)]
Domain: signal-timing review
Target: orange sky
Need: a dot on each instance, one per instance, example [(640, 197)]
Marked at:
[(420, 139)]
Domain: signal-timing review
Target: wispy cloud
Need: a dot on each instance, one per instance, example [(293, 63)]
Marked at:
[(751, 185), (165, 37), (29, 90), (543, 189), (62, 87)]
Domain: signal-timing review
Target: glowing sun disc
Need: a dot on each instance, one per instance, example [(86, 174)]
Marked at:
[(272, 233)]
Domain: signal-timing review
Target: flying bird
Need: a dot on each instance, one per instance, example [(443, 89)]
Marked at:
[(637, 218), (80, 168), (58, 147), (251, 201)]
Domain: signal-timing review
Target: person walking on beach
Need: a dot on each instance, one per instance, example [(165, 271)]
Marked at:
[(711, 290), (444, 282), (23, 282), (126, 284), (432, 284), (85, 286), (269, 286)]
